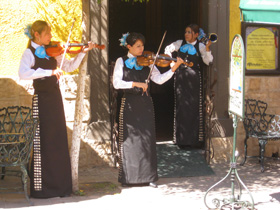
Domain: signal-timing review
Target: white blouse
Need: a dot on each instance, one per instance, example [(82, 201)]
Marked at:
[(119, 83), (28, 61), (207, 57)]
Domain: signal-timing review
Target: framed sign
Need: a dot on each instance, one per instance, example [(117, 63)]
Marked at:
[(261, 42), (236, 77)]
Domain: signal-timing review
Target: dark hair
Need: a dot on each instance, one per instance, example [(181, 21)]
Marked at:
[(38, 26), (133, 37), (194, 27)]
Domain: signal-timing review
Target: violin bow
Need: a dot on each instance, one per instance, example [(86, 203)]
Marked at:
[(67, 43), (148, 79)]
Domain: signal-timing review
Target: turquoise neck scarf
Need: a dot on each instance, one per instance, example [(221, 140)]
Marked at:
[(131, 62)]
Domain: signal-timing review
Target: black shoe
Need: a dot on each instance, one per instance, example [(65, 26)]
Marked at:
[(153, 184)]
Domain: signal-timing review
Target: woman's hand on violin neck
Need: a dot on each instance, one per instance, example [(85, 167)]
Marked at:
[(142, 85), (88, 47), (57, 72), (177, 64)]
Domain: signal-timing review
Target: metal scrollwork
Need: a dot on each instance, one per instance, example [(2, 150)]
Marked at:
[(234, 200), (261, 125), (208, 96), (114, 114), (17, 128)]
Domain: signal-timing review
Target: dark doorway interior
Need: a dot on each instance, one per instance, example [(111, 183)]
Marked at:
[(152, 19)]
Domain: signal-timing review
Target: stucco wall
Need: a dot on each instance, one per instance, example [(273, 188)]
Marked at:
[(234, 20), (16, 14)]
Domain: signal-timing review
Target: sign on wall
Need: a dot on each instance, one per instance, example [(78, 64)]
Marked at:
[(262, 48), (236, 77)]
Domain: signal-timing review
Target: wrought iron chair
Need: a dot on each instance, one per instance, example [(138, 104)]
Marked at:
[(17, 129), (258, 124)]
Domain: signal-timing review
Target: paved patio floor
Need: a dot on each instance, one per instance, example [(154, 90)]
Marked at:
[(102, 191)]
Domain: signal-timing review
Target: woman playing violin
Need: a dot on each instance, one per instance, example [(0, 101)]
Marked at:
[(188, 99), (50, 174), (137, 140)]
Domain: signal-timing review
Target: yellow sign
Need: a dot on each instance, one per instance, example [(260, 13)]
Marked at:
[(260, 50)]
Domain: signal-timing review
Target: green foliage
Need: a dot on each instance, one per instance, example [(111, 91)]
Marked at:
[(80, 193)]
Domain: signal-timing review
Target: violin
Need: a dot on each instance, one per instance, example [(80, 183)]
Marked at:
[(56, 48), (162, 60)]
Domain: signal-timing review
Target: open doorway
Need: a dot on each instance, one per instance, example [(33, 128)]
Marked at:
[(152, 19)]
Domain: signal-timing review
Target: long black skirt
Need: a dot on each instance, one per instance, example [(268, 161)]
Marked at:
[(137, 140), (188, 107), (50, 174)]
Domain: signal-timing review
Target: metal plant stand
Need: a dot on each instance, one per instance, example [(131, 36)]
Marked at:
[(233, 202)]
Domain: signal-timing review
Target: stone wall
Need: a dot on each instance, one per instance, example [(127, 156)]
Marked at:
[(93, 152), (263, 88), (267, 89)]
